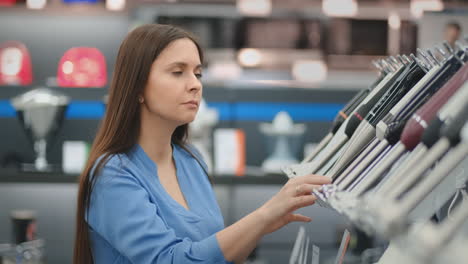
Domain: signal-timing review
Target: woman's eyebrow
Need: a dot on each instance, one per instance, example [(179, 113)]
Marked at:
[(183, 65)]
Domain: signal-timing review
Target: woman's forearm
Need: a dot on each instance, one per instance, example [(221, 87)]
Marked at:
[(239, 239)]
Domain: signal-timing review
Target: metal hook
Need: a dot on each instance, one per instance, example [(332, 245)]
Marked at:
[(376, 65), (448, 47), (394, 65), (425, 57), (387, 65), (461, 56), (395, 61), (463, 50), (386, 68), (431, 56), (407, 58), (419, 62), (461, 47), (455, 53), (442, 52), (379, 68), (401, 59)]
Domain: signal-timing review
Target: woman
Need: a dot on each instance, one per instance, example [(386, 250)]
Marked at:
[(144, 196)]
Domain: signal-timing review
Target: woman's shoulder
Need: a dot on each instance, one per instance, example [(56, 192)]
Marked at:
[(109, 165), (108, 160)]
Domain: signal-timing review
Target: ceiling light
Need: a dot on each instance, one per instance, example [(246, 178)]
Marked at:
[(340, 8), (249, 57), (115, 5), (36, 4), (254, 7), (418, 7), (225, 70), (394, 20), (309, 70)]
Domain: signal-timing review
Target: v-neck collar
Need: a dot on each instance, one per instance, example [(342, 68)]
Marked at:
[(152, 170)]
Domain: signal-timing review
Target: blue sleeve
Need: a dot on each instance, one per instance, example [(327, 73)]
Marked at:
[(122, 213)]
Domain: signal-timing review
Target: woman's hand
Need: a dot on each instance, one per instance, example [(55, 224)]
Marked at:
[(295, 194), (239, 239)]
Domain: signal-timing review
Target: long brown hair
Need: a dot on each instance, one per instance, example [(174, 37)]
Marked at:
[(120, 126)]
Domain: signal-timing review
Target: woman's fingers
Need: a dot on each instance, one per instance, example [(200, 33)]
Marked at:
[(317, 179), (311, 179), (302, 201), (299, 218), (295, 194), (305, 184), (305, 189)]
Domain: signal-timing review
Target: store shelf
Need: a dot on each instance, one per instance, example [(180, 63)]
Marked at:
[(269, 179), (58, 8), (14, 176)]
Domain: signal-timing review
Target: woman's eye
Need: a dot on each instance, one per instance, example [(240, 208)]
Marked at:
[(177, 73), (199, 75)]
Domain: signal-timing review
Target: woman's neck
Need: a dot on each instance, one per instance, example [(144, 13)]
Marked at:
[(155, 138)]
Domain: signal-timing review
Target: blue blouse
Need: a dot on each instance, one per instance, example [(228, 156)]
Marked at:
[(132, 219)]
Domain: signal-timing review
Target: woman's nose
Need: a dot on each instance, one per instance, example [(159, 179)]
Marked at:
[(195, 84)]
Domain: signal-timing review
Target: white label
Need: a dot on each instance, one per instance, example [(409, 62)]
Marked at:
[(315, 254), (75, 155)]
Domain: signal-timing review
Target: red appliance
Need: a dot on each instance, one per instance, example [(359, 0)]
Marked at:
[(15, 64), (82, 67)]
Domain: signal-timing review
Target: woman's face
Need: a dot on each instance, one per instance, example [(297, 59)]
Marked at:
[(174, 90)]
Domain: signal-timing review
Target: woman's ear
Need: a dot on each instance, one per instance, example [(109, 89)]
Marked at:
[(140, 99)]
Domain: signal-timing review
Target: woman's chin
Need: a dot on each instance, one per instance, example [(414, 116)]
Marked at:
[(186, 120)]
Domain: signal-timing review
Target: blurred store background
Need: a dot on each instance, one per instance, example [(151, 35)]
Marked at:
[(301, 59)]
